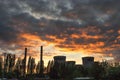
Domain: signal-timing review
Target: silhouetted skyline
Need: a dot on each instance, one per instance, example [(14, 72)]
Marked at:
[(73, 28), (58, 68)]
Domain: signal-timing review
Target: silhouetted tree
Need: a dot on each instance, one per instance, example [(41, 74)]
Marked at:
[(1, 61), (49, 66), (113, 73), (97, 71), (31, 65), (6, 62), (38, 68), (11, 62), (80, 71), (18, 67)]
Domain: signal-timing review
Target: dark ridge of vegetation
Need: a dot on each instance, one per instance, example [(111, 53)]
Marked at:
[(14, 68)]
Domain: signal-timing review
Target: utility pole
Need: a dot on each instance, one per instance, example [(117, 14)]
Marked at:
[(41, 61)]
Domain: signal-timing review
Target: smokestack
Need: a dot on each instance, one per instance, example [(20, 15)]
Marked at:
[(25, 57), (41, 61), (41, 55)]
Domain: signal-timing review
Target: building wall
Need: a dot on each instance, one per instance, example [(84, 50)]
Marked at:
[(59, 58), (88, 61)]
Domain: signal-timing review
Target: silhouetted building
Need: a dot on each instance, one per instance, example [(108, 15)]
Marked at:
[(78, 65), (57, 67), (96, 63), (87, 61), (59, 58), (70, 63)]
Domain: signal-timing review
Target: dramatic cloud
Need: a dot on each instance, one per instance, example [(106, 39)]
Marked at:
[(81, 27)]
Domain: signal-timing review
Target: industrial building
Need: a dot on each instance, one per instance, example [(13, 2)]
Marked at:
[(70, 63), (60, 59), (87, 61)]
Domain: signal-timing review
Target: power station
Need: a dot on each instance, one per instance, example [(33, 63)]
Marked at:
[(59, 59), (87, 61)]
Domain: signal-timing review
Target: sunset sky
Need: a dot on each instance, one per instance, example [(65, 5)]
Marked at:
[(73, 28)]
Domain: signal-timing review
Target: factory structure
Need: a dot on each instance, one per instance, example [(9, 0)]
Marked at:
[(60, 66), (59, 59), (87, 61), (55, 68), (62, 59)]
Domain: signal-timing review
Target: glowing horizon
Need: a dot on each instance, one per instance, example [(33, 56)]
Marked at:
[(73, 28)]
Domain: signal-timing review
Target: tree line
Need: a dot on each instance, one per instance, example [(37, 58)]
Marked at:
[(11, 67)]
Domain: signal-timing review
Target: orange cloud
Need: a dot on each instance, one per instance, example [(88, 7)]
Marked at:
[(55, 40), (118, 31), (75, 36), (27, 39)]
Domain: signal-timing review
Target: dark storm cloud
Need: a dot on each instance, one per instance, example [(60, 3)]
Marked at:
[(90, 21), (84, 12), (7, 10), (7, 33)]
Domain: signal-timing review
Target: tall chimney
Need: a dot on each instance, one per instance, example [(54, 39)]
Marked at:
[(41, 61), (25, 58), (41, 54)]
